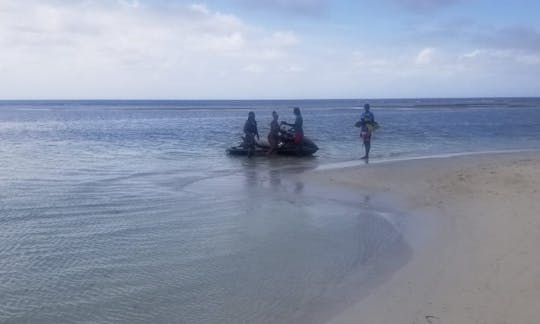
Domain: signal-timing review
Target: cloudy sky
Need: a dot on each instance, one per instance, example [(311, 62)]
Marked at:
[(245, 49)]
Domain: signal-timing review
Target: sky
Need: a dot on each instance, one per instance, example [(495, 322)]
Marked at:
[(268, 49)]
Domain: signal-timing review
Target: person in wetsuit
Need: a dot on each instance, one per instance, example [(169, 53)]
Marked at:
[(250, 131), (273, 135), (367, 121)]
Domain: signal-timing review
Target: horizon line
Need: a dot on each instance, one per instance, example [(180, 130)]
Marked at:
[(275, 99)]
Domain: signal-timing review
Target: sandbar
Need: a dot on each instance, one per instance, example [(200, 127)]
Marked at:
[(480, 262)]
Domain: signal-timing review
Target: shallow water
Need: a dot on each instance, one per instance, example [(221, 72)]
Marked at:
[(249, 247), (131, 211)]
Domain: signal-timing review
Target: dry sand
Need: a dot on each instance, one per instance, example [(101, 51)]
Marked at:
[(481, 262)]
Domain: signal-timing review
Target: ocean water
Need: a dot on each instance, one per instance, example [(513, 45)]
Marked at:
[(130, 211)]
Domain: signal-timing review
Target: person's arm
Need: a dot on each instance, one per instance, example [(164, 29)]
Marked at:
[(294, 126)]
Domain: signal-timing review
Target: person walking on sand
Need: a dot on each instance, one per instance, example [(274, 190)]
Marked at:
[(250, 131), (273, 135), (367, 124)]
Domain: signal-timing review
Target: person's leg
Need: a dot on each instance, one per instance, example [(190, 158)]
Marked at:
[(273, 145), (250, 143), (297, 138), (367, 145), (298, 141)]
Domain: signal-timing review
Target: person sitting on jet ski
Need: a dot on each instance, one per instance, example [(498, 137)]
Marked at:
[(250, 131), (297, 126)]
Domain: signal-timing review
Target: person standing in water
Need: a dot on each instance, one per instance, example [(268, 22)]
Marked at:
[(273, 135), (367, 122), (250, 131), (297, 126)]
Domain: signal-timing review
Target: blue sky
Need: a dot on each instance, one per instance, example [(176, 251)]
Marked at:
[(268, 49)]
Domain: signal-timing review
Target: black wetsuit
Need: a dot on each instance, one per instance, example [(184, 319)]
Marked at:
[(250, 130), (365, 131)]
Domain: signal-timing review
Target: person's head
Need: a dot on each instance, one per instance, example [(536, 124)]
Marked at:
[(251, 115), (275, 115), (366, 107), (296, 111)]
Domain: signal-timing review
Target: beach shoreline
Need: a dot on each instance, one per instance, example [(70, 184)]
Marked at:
[(475, 260)]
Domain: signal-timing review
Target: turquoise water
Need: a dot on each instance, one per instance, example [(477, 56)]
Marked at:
[(130, 211)]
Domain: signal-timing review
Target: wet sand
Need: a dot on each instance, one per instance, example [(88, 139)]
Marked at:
[(476, 260)]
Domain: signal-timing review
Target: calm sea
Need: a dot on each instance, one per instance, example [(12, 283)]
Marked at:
[(130, 211)]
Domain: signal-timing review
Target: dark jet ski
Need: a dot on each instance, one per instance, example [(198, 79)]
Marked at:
[(285, 147)]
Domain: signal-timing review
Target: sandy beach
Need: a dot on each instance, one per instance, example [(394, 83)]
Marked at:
[(479, 262)]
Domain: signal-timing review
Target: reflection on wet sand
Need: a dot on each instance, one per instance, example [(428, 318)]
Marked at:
[(284, 245), (280, 174)]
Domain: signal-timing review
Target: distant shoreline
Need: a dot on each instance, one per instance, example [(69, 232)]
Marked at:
[(268, 99)]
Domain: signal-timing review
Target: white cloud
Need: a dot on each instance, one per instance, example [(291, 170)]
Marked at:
[(132, 49), (529, 59), (284, 38), (295, 69), (472, 54), (130, 3), (254, 68), (500, 58), (425, 56), (106, 46), (200, 8)]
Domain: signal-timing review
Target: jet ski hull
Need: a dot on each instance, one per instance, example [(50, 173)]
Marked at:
[(307, 148)]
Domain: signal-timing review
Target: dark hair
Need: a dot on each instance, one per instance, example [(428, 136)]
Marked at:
[(251, 114), (296, 111), (366, 106)]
